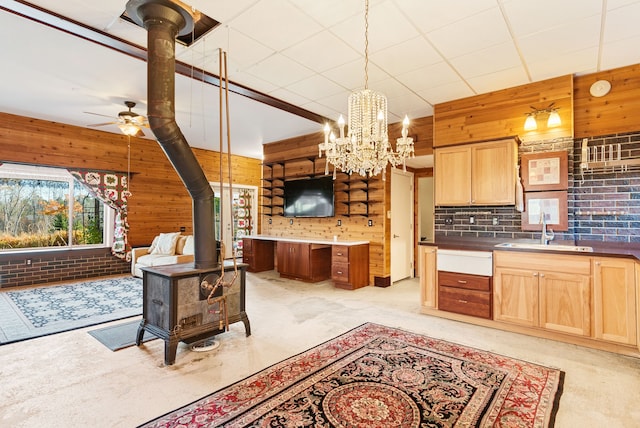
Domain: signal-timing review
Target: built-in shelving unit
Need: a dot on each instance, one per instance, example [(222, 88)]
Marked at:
[(355, 190)]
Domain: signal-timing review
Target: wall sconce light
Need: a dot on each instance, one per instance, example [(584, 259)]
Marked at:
[(553, 118)]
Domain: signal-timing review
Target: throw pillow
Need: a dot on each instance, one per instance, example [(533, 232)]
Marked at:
[(153, 245), (188, 245), (166, 244)]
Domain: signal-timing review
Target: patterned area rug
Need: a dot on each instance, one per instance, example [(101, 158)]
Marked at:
[(375, 377), (34, 312)]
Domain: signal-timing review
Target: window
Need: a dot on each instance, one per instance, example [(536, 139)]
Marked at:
[(43, 207)]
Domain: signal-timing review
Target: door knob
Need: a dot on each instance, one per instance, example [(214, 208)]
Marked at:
[(396, 236)]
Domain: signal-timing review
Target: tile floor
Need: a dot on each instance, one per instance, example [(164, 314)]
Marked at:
[(71, 380)]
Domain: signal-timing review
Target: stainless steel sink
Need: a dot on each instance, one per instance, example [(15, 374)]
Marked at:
[(551, 247)]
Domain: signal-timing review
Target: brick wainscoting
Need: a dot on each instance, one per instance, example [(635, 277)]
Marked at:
[(41, 267)]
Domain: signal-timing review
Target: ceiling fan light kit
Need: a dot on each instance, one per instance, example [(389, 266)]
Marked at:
[(129, 122)]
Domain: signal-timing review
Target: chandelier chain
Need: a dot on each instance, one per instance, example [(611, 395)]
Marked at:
[(366, 44)]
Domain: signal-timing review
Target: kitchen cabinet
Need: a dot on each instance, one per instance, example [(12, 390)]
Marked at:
[(476, 174), (257, 254), (543, 290), (428, 276), (614, 300), (304, 261), (350, 266)]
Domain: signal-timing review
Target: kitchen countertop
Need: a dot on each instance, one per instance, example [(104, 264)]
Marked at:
[(600, 248)]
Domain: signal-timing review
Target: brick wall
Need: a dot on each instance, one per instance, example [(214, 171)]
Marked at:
[(58, 265), (607, 201)]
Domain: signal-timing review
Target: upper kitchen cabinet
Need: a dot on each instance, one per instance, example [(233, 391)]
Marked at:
[(476, 174)]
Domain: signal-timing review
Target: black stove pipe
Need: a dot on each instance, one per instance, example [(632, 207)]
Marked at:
[(164, 20)]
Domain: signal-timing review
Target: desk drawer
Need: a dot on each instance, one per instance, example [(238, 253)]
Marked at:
[(339, 254), (464, 280), (340, 272)]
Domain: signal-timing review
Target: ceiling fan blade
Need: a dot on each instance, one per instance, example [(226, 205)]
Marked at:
[(103, 124), (98, 114), (139, 133)]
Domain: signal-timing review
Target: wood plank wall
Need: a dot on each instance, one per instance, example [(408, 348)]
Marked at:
[(502, 114), (617, 112), (160, 202)]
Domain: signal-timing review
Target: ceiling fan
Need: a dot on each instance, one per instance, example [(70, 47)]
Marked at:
[(129, 122)]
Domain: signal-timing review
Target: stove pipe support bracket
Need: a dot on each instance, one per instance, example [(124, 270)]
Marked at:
[(164, 20)]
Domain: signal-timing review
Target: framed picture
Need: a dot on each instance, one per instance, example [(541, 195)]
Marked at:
[(553, 205), (544, 171)]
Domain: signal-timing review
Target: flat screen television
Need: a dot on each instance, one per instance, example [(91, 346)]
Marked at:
[(309, 197)]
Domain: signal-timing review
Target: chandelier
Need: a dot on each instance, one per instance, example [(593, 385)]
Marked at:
[(365, 148)]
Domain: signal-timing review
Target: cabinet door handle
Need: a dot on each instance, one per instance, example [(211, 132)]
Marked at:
[(339, 254), (597, 263), (462, 301), (461, 281), (339, 272), (535, 274), (541, 275)]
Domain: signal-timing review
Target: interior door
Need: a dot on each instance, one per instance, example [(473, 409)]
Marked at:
[(401, 224)]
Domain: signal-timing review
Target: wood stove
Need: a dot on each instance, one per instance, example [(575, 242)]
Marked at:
[(175, 306)]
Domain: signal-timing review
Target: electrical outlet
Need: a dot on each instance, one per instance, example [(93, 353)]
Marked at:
[(370, 223), (269, 220), (448, 220), (495, 221), (339, 222), (290, 221), (183, 229), (472, 219), (28, 261)]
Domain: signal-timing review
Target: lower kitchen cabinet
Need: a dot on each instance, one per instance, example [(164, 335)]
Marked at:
[(553, 292), (258, 254), (614, 302), (428, 276)]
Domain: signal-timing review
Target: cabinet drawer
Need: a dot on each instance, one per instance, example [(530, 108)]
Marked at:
[(466, 302), (340, 254), (464, 280), (340, 272)]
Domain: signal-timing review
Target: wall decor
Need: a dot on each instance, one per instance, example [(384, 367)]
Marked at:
[(544, 171), (553, 205)]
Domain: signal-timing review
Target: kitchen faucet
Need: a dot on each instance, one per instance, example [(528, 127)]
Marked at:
[(545, 237)]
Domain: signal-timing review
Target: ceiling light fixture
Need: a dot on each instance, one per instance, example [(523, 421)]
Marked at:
[(129, 129), (553, 118), (365, 148)]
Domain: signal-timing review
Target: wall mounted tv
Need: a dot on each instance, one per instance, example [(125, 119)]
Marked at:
[(309, 197)]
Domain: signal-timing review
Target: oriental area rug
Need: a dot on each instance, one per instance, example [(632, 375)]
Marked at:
[(379, 377), (41, 311)]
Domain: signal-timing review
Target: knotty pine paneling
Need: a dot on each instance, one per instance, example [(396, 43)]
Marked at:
[(502, 114), (616, 112), (159, 202)]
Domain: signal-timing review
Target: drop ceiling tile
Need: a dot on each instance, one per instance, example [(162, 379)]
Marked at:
[(242, 51), (330, 12), (222, 11), (321, 52), (275, 23), (314, 87), (289, 96), (622, 23), (447, 92), (431, 15), (485, 61), (477, 32), (406, 56), (323, 110), (530, 17), (555, 42), (581, 61), (407, 102), (620, 53), (430, 76), (499, 79), (251, 81), (351, 75), (339, 103), (280, 70), (387, 27)]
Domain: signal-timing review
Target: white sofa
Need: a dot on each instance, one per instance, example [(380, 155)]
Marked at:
[(166, 249)]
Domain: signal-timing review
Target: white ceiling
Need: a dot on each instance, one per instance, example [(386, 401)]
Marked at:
[(310, 53)]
